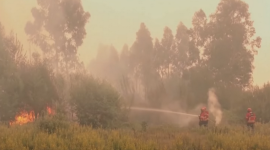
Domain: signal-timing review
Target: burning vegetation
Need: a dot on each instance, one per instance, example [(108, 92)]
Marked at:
[(24, 117)]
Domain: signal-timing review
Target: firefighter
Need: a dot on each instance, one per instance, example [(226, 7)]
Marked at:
[(203, 117), (250, 118)]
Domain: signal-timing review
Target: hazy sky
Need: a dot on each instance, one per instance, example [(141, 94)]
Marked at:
[(116, 22)]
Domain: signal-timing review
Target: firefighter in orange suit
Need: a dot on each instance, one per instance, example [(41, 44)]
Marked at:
[(203, 117), (250, 118)]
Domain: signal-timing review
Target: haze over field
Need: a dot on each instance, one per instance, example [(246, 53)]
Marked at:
[(157, 74), (117, 22)]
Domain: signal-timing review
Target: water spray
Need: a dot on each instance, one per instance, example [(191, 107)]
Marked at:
[(163, 111), (167, 111), (213, 104)]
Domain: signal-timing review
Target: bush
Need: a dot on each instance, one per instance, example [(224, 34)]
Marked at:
[(52, 124), (96, 103)]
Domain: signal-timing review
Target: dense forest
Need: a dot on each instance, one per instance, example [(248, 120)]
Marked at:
[(178, 70)]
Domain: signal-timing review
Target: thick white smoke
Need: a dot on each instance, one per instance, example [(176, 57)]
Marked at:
[(214, 106)]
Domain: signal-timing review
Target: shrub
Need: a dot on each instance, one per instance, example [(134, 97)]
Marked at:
[(52, 124), (96, 102)]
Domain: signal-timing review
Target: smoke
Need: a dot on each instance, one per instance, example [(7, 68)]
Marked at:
[(214, 106)]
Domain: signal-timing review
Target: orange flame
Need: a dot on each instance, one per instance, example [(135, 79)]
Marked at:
[(24, 117), (50, 111)]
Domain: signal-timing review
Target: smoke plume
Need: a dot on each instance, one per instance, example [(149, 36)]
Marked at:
[(214, 106)]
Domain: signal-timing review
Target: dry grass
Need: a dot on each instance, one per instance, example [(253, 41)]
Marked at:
[(30, 137)]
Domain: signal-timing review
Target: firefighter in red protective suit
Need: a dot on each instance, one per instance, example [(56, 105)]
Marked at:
[(203, 117), (250, 118)]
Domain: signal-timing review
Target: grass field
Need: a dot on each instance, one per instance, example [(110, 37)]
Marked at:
[(75, 137)]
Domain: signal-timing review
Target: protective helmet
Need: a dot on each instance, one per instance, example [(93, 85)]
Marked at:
[(249, 109)]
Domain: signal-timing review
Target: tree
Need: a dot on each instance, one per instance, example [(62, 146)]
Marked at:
[(10, 83), (141, 55), (165, 51), (124, 55), (231, 44), (58, 29), (8, 51), (124, 61), (38, 90), (106, 64), (186, 53), (10, 102), (96, 102), (197, 79), (158, 62), (199, 22), (24, 85)]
